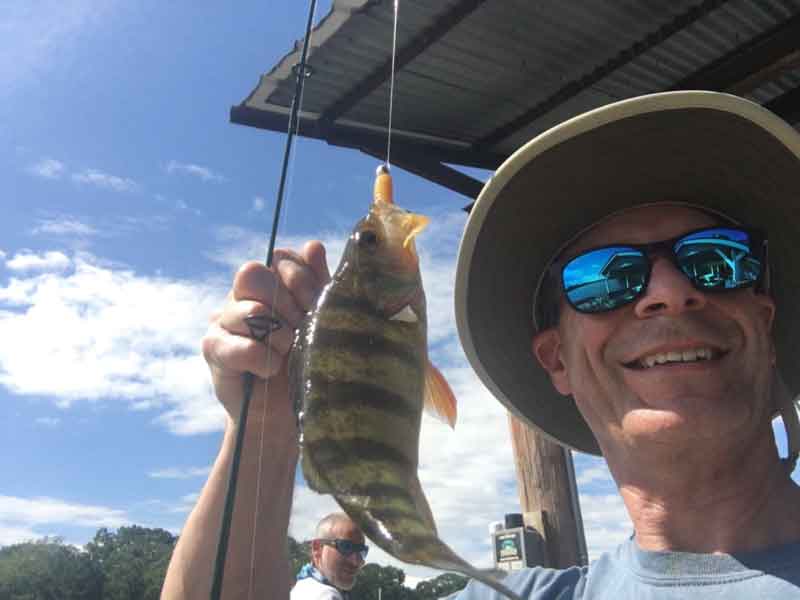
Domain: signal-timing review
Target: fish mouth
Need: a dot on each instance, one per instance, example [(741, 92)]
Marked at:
[(696, 353)]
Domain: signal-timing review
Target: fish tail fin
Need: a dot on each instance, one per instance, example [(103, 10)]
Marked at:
[(440, 401), (491, 577), (382, 190), (450, 561)]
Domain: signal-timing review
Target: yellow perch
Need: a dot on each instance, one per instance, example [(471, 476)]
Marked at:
[(360, 377)]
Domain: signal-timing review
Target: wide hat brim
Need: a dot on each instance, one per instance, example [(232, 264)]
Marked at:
[(717, 151)]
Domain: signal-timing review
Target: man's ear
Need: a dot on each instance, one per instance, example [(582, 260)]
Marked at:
[(316, 552), (546, 346)]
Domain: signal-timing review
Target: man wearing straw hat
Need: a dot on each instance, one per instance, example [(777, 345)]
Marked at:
[(628, 283)]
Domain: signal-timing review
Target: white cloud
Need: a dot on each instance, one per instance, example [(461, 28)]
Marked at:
[(605, 522), (23, 519), (109, 333), (47, 168), (180, 472), (39, 37), (204, 173), (2, 254), (48, 421), (593, 474), (105, 181), (64, 226), (46, 261), (258, 204)]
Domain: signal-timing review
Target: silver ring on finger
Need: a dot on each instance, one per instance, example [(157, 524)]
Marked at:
[(261, 326)]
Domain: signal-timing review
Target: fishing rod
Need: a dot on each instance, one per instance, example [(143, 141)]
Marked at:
[(248, 379)]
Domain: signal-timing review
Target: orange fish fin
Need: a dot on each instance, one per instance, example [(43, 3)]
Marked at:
[(382, 190), (439, 398)]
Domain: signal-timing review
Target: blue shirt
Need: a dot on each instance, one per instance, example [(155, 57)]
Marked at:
[(630, 573)]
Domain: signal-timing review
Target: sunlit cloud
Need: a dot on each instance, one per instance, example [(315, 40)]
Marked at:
[(31, 261), (64, 226), (47, 168), (105, 181), (23, 519), (593, 474), (120, 336), (199, 171), (180, 472)]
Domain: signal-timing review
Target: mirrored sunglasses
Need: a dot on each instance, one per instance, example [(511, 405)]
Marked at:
[(347, 547), (717, 259)]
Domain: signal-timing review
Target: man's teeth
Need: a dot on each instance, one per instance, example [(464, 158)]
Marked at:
[(692, 355)]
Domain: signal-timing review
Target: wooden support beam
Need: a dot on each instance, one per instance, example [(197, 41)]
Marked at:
[(548, 495)]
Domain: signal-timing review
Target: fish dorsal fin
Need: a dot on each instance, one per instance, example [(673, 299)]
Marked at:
[(406, 314), (440, 401)]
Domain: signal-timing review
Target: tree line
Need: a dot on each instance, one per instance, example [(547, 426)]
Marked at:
[(131, 562)]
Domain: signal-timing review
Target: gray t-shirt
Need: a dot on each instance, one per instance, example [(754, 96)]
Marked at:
[(630, 573)]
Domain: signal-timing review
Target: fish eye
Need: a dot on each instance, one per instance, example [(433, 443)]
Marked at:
[(367, 239)]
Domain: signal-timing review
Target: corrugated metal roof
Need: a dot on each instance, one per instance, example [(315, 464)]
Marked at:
[(478, 78)]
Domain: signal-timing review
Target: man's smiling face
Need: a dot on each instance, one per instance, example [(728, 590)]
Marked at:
[(612, 363)]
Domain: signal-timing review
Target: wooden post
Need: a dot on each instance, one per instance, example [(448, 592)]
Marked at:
[(548, 495)]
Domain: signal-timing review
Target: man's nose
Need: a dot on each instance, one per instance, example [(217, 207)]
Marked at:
[(356, 559), (669, 292)]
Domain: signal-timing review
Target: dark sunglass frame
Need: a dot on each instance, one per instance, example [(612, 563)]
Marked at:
[(757, 249), (346, 547)]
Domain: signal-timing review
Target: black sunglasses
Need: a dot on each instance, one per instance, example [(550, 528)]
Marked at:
[(347, 547), (715, 259)]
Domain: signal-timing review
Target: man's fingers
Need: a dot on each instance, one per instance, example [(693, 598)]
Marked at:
[(297, 277), (314, 255), (255, 282)]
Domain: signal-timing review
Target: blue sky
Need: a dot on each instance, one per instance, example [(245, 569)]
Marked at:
[(128, 201)]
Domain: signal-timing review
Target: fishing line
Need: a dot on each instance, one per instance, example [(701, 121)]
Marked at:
[(391, 86), (248, 379), (274, 301)]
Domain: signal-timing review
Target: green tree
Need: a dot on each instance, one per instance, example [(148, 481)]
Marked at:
[(388, 579), (299, 554), (48, 569), (133, 561), (441, 586)]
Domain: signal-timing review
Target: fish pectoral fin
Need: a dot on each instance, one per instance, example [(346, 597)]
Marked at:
[(406, 314), (440, 401)]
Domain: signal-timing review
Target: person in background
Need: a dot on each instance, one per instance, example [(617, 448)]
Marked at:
[(338, 553)]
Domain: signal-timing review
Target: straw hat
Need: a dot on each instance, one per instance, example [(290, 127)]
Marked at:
[(712, 150)]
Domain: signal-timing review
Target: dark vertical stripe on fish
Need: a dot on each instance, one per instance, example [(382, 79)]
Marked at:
[(367, 344), (332, 453), (326, 395)]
